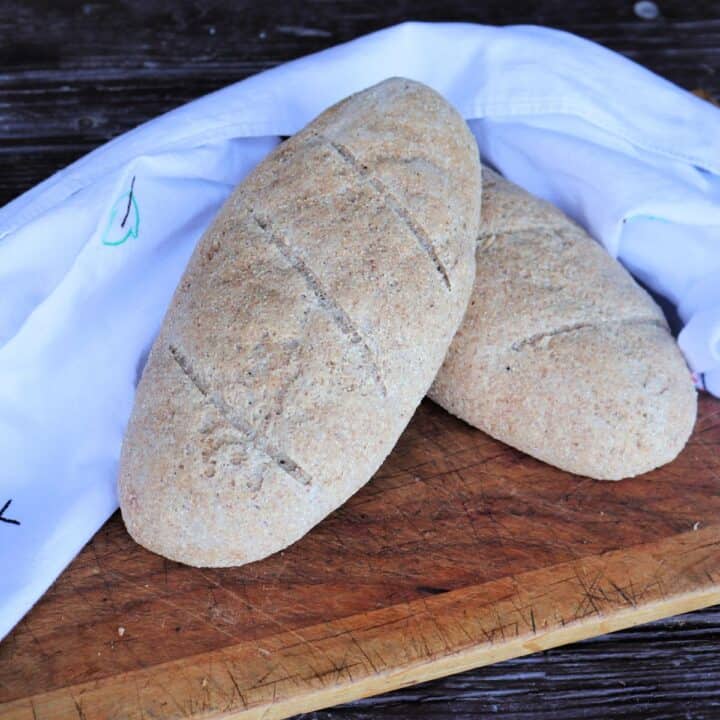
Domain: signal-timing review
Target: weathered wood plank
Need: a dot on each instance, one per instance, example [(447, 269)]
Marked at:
[(666, 669), (74, 76), (460, 552)]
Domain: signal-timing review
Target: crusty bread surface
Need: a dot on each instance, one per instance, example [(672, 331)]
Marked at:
[(311, 320), (561, 354)]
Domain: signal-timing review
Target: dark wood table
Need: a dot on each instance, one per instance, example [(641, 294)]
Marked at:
[(73, 75)]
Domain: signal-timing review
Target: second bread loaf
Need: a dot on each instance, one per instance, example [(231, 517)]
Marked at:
[(561, 354)]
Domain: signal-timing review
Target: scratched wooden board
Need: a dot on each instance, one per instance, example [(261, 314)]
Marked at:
[(460, 552)]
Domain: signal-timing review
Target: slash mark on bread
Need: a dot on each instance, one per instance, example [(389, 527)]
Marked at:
[(336, 312), (252, 437), (566, 329), (379, 186)]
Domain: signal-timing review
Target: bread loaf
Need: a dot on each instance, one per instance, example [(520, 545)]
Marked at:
[(311, 320), (561, 354)]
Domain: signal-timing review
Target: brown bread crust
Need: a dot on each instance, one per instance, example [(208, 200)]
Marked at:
[(311, 320), (561, 354)]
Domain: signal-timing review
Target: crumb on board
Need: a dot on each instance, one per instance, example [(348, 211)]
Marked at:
[(121, 631)]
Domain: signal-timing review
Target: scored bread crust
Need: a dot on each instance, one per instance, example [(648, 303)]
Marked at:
[(561, 354), (311, 320)]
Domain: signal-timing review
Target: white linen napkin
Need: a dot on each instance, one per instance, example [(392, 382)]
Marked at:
[(90, 257)]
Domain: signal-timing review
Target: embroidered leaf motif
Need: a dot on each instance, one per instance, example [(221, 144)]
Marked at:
[(124, 220)]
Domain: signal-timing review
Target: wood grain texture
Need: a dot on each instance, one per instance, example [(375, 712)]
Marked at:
[(73, 75), (461, 552), (666, 669)]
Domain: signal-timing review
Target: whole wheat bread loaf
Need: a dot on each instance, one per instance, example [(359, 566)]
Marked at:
[(311, 320), (561, 354)]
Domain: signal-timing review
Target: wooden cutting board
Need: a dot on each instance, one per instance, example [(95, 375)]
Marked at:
[(460, 552)]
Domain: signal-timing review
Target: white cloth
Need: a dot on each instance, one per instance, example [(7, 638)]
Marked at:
[(90, 257)]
